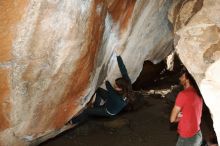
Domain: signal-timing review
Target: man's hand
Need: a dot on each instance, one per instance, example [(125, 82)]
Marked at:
[(175, 114)]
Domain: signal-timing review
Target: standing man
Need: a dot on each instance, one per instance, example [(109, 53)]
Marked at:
[(187, 111)]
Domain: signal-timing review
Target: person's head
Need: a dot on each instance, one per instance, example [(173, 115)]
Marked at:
[(186, 79), (122, 85), (183, 80)]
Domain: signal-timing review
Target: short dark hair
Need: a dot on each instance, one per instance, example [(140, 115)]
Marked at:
[(191, 81)]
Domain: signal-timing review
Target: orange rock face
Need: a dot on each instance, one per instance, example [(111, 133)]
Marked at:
[(11, 13), (4, 102), (121, 11), (85, 65), (54, 54)]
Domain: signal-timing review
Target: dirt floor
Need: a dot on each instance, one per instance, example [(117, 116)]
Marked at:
[(147, 126)]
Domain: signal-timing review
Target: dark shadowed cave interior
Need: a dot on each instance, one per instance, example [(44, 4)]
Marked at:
[(146, 126)]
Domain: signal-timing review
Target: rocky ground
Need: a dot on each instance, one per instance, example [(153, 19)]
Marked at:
[(147, 126)]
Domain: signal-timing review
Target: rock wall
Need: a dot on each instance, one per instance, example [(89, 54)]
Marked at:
[(55, 53), (197, 41)]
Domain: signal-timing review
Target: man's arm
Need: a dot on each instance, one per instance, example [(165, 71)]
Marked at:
[(122, 68), (174, 114)]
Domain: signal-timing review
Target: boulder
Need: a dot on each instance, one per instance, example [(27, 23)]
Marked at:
[(197, 41), (54, 54)]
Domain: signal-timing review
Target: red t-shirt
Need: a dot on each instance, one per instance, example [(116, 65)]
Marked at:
[(191, 107)]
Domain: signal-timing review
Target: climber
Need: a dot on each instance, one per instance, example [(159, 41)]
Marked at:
[(112, 101)]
